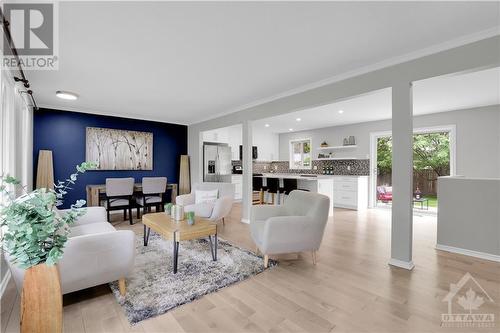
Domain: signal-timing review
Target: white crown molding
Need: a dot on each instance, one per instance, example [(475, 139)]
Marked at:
[(4, 283), (106, 113), (470, 253), (402, 264), (460, 41)]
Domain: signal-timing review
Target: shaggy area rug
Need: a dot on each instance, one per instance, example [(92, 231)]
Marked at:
[(154, 289)]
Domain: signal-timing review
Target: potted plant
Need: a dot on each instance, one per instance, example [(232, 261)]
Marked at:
[(34, 238)]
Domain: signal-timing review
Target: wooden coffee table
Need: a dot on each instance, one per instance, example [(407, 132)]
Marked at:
[(179, 231)]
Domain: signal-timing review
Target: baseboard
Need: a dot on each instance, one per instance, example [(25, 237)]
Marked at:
[(247, 221), (401, 264), (471, 253), (4, 283)]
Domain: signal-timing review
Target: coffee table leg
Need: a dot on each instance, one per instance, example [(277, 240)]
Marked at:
[(211, 247), (176, 253), (147, 230), (215, 250)]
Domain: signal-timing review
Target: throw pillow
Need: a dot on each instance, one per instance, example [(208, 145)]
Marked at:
[(205, 196)]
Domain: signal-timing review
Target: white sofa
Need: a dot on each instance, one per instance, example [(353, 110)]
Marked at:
[(214, 211), (295, 226), (95, 253)]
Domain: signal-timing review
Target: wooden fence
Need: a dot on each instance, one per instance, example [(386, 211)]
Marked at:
[(426, 181)]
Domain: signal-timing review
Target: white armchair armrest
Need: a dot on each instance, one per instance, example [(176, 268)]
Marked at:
[(222, 208), (185, 199), (92, 215), (96, 259)]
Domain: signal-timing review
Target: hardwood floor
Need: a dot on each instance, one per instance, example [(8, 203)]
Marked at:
[(350, 289)]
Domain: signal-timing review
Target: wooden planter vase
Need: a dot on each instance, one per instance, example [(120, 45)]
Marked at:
[(41, 300)]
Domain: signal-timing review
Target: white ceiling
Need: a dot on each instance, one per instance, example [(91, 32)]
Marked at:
[(185, 62), (444, 93)]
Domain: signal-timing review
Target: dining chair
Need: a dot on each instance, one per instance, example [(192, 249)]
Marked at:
[(153, 189), (119, 193)]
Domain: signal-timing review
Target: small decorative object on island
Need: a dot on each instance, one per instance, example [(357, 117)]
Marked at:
[(190, 218), (168, 208), (34, 238), (324, 144)]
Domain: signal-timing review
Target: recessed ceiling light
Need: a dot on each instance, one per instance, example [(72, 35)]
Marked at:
[(66, 95), (298, 119), (341, 111), (290, 129), (267, 125)]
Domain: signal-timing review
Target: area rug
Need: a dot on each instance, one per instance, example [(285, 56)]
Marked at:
[(154, 289)]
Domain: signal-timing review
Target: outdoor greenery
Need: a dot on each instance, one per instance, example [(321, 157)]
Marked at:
[(35, 232), (430, 151)]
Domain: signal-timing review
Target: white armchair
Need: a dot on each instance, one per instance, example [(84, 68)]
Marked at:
[(214, 211), (95, 253), (297, 225)]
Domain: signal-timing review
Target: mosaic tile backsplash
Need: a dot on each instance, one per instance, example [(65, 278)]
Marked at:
[(340, 167)]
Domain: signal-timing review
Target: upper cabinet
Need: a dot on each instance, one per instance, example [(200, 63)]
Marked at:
[(231, 135), (267, 144)]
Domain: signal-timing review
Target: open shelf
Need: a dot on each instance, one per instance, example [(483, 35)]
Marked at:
[(337, 147)]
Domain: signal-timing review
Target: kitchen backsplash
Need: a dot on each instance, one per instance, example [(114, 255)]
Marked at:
[(340, 167)]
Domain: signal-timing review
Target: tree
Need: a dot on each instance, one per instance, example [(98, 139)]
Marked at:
[(430, 151)]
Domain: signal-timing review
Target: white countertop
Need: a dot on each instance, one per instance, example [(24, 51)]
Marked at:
[(294, 176)]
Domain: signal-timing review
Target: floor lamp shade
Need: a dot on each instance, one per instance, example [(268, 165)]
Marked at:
[(45, 170), (184, 176)]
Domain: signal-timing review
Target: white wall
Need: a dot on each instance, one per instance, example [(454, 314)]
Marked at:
[(477, 146), (267, 144)]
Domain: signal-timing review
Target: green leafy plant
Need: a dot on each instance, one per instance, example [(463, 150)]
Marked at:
[(34, 231)]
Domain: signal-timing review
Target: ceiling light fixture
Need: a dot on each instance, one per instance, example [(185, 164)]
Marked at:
[(341, 111), (66, 95), (267, 125), (290, 129), (298, 119)]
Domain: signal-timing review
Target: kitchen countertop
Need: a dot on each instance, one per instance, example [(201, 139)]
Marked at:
[(300, 176)]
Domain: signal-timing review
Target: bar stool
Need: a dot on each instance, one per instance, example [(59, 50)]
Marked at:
[(257, 191), (273, 187), (289, 185)]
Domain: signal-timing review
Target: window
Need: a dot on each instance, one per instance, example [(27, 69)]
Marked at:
[(300, 154)]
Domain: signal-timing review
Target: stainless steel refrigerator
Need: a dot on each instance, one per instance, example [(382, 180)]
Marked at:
[(217, 166)]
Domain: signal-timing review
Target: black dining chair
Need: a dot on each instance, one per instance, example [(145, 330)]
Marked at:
[(153, 189), (119, 194)]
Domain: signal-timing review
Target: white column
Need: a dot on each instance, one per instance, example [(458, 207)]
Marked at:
[(402, 176), (247, 171)]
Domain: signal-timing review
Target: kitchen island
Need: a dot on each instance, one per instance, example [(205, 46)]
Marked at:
[(322, 184)]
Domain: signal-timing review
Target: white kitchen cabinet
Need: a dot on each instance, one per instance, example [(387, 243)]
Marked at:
[(350, 192), (237, 180), (325, 186)]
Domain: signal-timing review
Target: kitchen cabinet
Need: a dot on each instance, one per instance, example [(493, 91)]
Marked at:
[(350, 192), (237, 180)]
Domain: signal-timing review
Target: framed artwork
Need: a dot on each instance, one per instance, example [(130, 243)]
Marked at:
[(115, 149)]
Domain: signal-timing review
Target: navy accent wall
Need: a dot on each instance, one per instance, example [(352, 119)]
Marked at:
[(63, 132)]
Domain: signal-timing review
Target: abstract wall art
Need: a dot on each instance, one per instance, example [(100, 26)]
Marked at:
[(114, 149)]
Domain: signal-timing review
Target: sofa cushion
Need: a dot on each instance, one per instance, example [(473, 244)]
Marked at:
[(202, 209), (91, 228), (205, 196)]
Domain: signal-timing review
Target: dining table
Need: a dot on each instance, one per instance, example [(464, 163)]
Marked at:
[(94, 192)]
